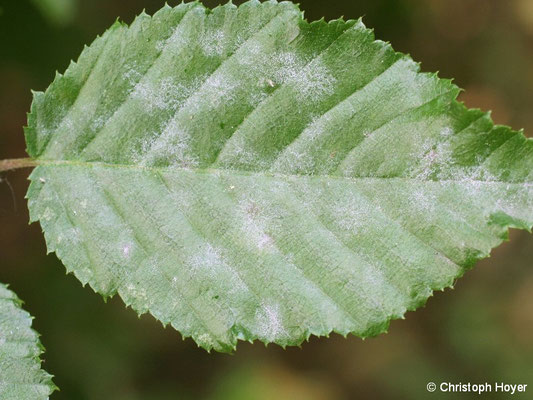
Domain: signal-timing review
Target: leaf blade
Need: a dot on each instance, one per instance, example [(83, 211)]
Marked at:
[(21, 376), (303, 179)]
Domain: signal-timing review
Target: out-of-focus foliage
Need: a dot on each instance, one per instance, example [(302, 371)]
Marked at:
[(480, 332), (58, 12)]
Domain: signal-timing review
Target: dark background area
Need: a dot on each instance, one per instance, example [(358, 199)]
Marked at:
[(479, 332)]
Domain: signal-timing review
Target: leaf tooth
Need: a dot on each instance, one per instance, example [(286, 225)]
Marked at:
[(72, 64)]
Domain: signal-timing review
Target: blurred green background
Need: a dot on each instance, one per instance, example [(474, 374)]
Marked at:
[(479, 332)]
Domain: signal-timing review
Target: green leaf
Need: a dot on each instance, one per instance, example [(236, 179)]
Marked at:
[(241, 173), (58, 12), (21, 376)]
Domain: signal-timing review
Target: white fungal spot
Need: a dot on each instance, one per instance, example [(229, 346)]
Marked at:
[(173, 146), (48, 214), (432, 158), (98, 123), (126, 250), (206, 340), (132, 74), (218, 89), (269, 321), (71, 237), (210, 262), (160, 45), (446, 131), (296, 159), (136, 294), (289, 66), (163, 94), (212, 44), (352, 215), (315, 82), (208, 258), (255, 222), (423, 199)]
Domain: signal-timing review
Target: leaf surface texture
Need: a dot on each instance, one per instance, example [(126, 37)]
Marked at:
[(240, 173)]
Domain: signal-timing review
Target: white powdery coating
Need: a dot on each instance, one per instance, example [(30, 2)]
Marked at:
[(133, 74), (172, 147), (294, 160), (136, 293), (317, 127), (315, 83), (208, 257), (269, 322), (510, 202), (298, 156), (246, 155), (206, 340), (253, 54), (288, 67), (217, 90), (284, 68), (212, 43), (126, 250), (209, 262), (160, 45), (180, 38), (45, 131), (424, 200), (99, 122), (73, 236), (432, 158), (474, 178), (258, 218), (446, 131), (68, 124), (255, 220), (207, 93), (125, 243), (163, 94), (48, 214), (258, 97), (352, 215)]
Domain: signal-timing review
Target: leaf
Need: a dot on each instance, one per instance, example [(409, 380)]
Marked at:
[(21, 376), (58, 12), (241, 173)]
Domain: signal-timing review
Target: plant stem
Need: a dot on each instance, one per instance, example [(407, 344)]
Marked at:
[(17, 163)]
